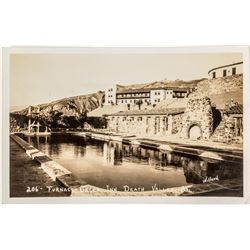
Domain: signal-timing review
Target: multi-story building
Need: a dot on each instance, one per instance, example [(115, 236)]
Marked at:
[(132, 96), (110, 94), (226, 70), (120, 95)]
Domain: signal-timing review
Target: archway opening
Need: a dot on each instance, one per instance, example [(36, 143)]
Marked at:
[(195, 132)]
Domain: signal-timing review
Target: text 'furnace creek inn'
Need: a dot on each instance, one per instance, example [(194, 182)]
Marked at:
[(194, 111)]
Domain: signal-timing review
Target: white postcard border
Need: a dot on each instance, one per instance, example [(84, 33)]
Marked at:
[(91, 50)]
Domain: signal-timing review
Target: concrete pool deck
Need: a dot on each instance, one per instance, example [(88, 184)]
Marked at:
[(27, 178)]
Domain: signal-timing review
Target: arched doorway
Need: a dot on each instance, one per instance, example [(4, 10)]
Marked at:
[(194, 132)]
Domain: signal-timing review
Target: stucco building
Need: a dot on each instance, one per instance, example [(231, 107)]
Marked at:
[(119, 95), (226, 70), (146, 122), (199, 120)]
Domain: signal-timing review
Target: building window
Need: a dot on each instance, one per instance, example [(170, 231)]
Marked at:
[(224, 72), (234, 71), (214, 74), (139, 119), (132, 119)]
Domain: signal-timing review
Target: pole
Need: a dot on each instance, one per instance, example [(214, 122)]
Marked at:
[(29, 115)]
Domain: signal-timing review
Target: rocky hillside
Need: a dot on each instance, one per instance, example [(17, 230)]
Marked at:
[(164, 83), (221, 90), (72, 112), (219, 85), (67, 112)]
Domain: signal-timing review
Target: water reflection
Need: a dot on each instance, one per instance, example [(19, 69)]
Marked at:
[(112, 153), (195, 170), (115, 164)]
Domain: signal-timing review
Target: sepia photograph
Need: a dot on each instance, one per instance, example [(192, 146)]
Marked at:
[(123, 123), (126, 123)]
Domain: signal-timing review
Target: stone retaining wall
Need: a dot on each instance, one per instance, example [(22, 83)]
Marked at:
[(52, 168)]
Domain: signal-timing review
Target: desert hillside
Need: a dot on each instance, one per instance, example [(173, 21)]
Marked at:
[(72, 112), (164, 83), (66, 112)]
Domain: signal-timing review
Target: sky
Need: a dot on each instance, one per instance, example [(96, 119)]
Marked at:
[(42, 78)]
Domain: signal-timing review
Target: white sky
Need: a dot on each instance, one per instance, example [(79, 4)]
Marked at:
[(41, 78)]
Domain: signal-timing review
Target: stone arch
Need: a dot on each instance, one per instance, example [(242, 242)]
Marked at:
[(194, 131), (198, 112)]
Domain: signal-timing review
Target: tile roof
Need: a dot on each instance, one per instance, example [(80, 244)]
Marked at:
[(169, 111), (238, 109), (133, 91)]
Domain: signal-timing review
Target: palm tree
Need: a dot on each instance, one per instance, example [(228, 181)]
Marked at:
[(139, 103)]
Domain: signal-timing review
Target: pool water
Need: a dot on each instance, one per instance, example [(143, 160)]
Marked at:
[(115, 165)]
